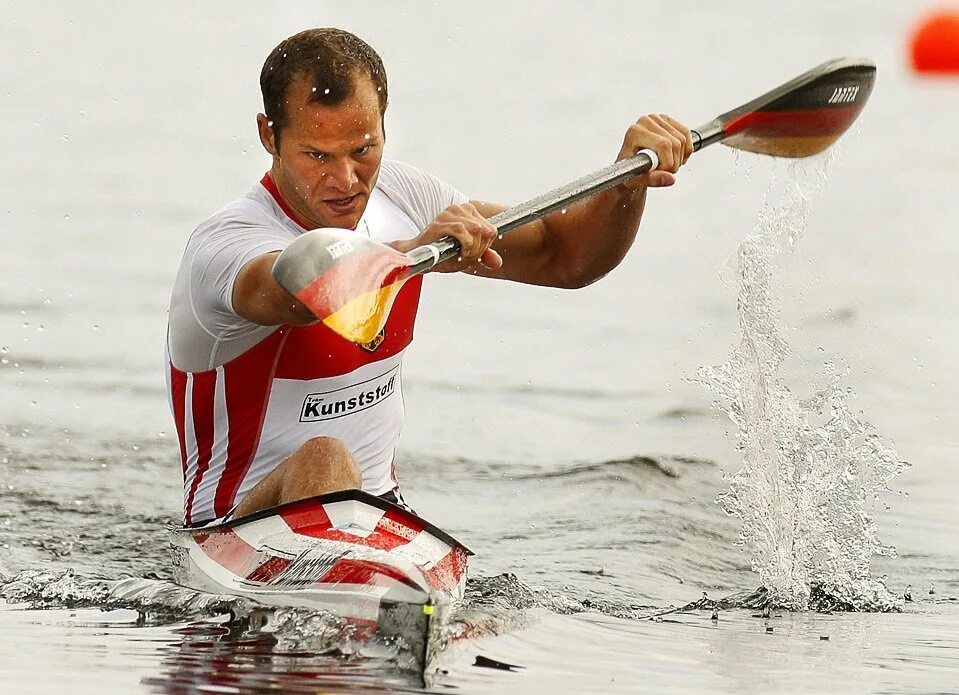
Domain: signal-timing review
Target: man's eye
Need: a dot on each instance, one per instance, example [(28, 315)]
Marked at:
[(363, 150), (316, 155)]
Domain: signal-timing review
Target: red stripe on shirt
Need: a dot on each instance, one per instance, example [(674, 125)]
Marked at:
[(178, 395), (247, 381), (268, 183), (204, 388)]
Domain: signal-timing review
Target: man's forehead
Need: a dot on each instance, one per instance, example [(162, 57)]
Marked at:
[(304, 90)]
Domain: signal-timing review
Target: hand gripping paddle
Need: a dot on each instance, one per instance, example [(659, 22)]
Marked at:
[(349, 282)]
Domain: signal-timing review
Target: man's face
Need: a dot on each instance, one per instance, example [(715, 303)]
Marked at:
[(328, 156)]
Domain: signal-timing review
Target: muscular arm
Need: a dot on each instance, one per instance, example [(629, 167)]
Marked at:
[(257, 297), (569, 250), (578, 247)]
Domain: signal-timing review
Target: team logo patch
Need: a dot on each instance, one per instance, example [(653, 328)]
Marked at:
[(375, 343), (330, 405)]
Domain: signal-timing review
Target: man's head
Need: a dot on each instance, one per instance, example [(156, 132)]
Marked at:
[(324, 97), (332, 60)]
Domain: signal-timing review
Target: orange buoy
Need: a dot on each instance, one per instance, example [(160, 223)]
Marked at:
[(935, 43)]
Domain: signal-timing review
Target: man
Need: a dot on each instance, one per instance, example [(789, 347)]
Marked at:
[(270, 405)]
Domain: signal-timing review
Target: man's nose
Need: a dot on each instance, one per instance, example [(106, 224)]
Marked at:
[(341, 175)]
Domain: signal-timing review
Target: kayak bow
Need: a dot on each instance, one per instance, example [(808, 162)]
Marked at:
[(381, 568)]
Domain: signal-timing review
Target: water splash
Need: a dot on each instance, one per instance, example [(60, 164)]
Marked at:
[(812, 469)]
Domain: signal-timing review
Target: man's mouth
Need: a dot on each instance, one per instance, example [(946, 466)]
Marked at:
[(343, 206)]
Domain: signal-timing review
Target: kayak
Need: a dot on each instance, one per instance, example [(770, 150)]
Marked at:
[(381, 568)]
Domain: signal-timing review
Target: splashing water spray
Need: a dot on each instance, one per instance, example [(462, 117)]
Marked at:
[(812, 469)]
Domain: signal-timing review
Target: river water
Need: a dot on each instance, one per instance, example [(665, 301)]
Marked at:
[(578, 442)]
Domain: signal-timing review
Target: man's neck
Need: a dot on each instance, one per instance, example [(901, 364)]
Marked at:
[(269, 182)]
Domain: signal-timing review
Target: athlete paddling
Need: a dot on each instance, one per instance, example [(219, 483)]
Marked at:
[(272, 406)]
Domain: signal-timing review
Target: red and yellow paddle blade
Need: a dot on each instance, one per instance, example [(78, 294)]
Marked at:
[(802, 117), (346, 280)]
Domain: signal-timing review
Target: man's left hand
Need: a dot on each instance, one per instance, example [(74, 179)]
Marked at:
[(668, 138)]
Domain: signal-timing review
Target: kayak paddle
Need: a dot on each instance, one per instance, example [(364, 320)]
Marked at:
[(349, 282)]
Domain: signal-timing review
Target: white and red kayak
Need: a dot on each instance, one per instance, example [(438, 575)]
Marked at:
[(350, 553)]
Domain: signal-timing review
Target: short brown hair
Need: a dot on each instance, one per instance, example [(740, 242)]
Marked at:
[(329, 58)]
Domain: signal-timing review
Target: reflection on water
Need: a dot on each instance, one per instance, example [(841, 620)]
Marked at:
[(210, 657)]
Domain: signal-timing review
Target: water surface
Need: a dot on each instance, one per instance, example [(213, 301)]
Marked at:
[(560, 435)]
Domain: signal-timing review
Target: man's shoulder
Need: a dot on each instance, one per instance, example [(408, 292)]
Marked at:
[(417, 192), (252, 206), (251, 212), (397, 174)]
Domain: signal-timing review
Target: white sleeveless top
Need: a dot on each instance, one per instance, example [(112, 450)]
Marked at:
[(245, 396)]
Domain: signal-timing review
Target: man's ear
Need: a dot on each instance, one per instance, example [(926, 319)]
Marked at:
[(267, 135)]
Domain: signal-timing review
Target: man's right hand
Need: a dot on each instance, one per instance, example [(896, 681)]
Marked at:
[(465, 224)]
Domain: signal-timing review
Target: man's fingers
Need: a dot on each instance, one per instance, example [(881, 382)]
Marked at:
[(474, 232), (491, 259), (458, 231), (651, 133), (661, 179), (670, 145), (684, 133), (675, 138), (671, 140)]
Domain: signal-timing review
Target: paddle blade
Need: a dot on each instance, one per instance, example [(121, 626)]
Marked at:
[(346, 280), (804, 116)]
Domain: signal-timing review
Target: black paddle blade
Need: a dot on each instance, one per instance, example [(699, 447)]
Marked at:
[(346, 280), (800, 118)]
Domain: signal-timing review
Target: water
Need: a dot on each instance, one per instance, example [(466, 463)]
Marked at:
[(562, 436)]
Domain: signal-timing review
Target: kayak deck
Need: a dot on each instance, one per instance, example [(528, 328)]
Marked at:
[(380, 567)]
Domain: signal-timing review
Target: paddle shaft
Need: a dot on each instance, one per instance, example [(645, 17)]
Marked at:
[(425, 257)]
